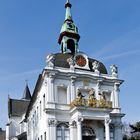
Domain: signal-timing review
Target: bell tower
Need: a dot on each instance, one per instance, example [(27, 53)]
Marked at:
[(69, 36)]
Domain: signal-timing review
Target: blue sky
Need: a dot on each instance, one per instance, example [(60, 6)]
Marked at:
[(29, 30)]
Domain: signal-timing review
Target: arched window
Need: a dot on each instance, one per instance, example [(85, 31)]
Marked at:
[(63, 131), (71, 46), (88, 133)]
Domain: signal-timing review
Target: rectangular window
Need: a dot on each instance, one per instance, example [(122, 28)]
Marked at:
[(40, 109), (44, 101), (45, 136), (59, 134), (37, 114), (66, 134), (63, 133), (35, 118)]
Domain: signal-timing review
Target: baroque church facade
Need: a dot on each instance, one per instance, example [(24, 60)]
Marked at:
[(75, 98)]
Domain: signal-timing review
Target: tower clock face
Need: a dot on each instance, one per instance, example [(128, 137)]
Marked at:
[(80, 60)]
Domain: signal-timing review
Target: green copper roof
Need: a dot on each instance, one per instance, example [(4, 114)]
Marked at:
[(68, 25)]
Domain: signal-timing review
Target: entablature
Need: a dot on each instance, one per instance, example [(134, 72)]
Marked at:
[(90, 113), (81, 74)]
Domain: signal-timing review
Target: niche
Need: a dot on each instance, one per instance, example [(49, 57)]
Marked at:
[(62, 95)]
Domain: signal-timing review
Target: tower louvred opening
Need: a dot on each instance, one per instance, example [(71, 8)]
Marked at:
[(71, 46)]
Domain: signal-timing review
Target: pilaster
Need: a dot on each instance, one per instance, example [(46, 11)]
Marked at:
[(79, 128), (107, 129), (116, 97), (73, 78), (51, 87), (51, 127), (72, 126), (118, 131)]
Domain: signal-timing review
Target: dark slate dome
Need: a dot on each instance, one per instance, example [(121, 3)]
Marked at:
[(61, 61)]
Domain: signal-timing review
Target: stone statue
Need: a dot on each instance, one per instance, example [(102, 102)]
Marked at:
[(50, 60), (79, 95), (102, 96), (71, 62), (92, 94), (95, 66), (114, 70)]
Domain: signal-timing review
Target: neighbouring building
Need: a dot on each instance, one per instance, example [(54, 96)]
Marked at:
[(75, 97), (2, 134)]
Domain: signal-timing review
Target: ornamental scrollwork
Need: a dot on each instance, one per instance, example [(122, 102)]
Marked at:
[(72, 123), (107, 120), (80, 119), (52, 122)]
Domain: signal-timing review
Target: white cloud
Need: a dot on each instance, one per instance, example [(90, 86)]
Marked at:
[(128, 41), (23, 74), (120, 55)]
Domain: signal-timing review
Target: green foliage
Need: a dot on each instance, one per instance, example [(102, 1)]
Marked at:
[(135, 128), (135, 132)]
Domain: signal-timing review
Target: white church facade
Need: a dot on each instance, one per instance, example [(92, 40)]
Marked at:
[(75, 98)]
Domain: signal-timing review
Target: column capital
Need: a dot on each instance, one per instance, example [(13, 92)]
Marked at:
[(80, 119), (52, 122), (72, 123), (107, 121)]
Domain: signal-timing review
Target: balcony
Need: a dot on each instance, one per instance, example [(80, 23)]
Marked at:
[(91, 103)]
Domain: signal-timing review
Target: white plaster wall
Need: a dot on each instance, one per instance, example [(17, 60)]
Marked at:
[(49, 88), (14, 127)]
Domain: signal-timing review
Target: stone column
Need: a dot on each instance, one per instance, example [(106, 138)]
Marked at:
[(116, 97), (118, 131), (7, 131), (73, 88), (107, 129), (51, 129), (79, 128), (72, 127)]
